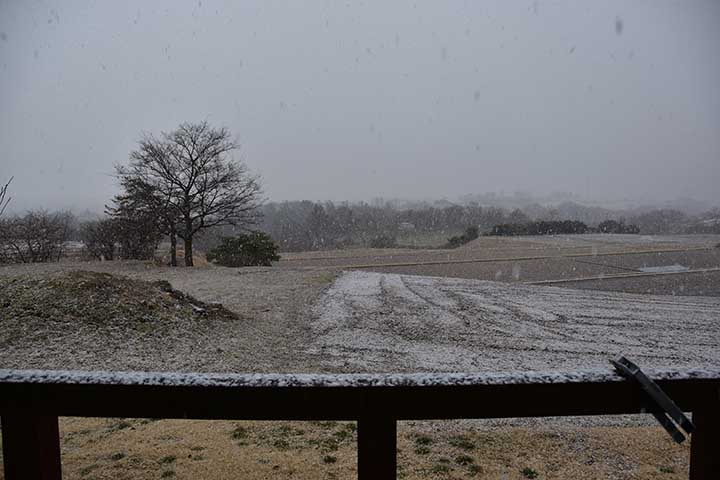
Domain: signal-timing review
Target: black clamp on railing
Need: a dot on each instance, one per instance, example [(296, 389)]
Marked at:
[(657, 402)]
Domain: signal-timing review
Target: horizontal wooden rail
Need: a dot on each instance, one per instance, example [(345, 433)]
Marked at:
[(31, 401)]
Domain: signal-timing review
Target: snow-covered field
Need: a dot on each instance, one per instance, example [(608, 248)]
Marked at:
[(375, 322)]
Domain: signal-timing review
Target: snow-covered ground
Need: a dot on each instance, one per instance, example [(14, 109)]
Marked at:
[(375, 322)]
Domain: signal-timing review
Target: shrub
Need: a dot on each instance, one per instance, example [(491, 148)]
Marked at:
[(471, 233), (38, 236), (382, 241), (612, 226), (245, 250), (138, 236), (528, 472), (462, 442), (541, 227), (99, 237)]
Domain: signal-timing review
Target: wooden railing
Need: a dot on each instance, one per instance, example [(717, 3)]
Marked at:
[(31, 401)]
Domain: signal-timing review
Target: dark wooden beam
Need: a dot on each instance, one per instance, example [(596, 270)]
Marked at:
[(377, 448), (31, 447), (705, 443), (342, 403)]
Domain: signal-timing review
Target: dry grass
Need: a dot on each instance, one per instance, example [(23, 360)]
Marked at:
[(100, 298), (117, 449)]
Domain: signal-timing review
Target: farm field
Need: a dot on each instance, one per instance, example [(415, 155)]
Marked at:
[(561, 258), (469, 309)]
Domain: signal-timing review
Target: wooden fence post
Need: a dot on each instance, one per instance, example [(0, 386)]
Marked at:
[(31, 447), (377, 444), (705, 443)]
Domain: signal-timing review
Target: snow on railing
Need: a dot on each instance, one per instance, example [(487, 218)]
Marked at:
[(340, 380)]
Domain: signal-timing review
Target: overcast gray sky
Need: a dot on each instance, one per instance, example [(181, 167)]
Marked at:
[(355, 100)]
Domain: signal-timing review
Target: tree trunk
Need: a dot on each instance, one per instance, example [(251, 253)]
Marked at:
[(173, 249), (188, 252)]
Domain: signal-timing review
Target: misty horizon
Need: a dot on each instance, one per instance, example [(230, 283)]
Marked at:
[(617, 103)]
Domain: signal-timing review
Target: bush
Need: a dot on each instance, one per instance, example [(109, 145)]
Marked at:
[(540, 228), (245, 250), (138, 236), (471, 233), (612, 226), (382, 241), (38, 236), (99, 237)]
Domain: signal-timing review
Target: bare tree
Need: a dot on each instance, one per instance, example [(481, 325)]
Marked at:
[(99, 238), (190, 181), (38, 236), (3, 194)]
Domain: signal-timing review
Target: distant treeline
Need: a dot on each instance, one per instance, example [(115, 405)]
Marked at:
[(550, 227), (305, 225), (541, 227)]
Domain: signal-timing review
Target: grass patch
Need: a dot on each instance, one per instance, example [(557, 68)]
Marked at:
[(422, 450), (239, 433), (329, 459), (462, 442), (117, 456), (121, 425), (423, 440), (287, 431), (528, 472), (325, 278), (168, 459), (326, 423), (343, 434), (147, 421), (464, 460), (281, 444), (666, 469), (474, 469), (167, 474), (440, 468), (87, 470)]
